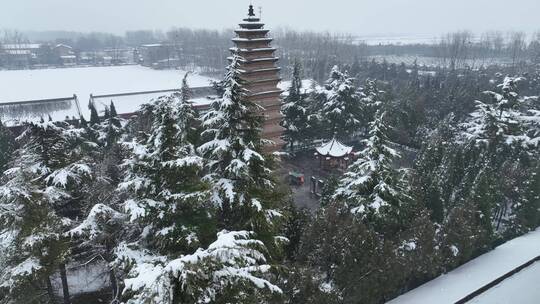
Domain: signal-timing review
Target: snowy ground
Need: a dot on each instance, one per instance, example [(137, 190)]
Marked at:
[(464, 280), (26, 85), (54, 83)]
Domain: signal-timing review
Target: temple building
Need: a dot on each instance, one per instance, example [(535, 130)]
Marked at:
[(260, 73)]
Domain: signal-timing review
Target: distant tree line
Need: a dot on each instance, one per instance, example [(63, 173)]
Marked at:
[(207, 50)]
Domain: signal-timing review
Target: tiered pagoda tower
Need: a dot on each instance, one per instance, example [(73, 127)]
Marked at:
[(260, 74)]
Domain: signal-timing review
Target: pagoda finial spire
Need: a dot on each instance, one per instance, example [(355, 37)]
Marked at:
[(251, 12)]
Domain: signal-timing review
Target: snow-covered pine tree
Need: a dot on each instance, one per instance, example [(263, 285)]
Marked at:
[(56, 172), (112, 109), (243, 189), (167, 197), (497, 121), (503, 140), (525, 215), (295, 110), (372, 188), (340, 112), (171, 232), (433, 182), (94, 116), (7, 146), (227, 271), (184, 97), (100, 228), (31, 245), (371, 101), (165, 215), (111, 127), (240, 174)]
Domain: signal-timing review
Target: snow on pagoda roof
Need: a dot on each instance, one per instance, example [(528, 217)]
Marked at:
[(252, 39), (267, 49), (334, 148)]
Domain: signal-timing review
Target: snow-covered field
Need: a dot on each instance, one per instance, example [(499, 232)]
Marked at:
[(468, 278), (54, 83), (24, 85)]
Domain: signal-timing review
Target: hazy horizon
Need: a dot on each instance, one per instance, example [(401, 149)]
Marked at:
[(361, 17)]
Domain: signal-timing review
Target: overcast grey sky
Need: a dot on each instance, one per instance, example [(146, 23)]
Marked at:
[(351, 16)]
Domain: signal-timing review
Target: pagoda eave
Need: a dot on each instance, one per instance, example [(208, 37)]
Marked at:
[(250, 23), (252, 40), (255, 50), (278, 79), (262, 94), (276, 69), (257, 60), (258, 31)]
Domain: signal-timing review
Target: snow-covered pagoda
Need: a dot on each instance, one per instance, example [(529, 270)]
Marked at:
[(334, 155), (260, 73)]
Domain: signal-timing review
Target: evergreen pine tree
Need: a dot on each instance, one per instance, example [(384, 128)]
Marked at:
[(112, 126), (94, 117), (107, 114), (372, 100), (340, 111), (243, 189), (7, 146), (525, 215), (172, 191), (242, 181), (497, 121), (55, 174), (31, 246), (112, 110), (295, 110), (372, 188), (172, 229)]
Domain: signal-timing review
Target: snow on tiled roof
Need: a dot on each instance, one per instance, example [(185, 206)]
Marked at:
[(63, 45), (334, 148)]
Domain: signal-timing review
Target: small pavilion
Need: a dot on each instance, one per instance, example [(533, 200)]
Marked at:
[(334, 155)]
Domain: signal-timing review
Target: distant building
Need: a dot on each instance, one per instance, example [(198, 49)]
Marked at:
[(63, 50), (16, 58), (119, 55), (68, 60), (65, 55), (19, 55), (159, 55)]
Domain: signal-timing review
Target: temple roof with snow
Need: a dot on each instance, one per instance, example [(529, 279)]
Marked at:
[(334, 148)]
